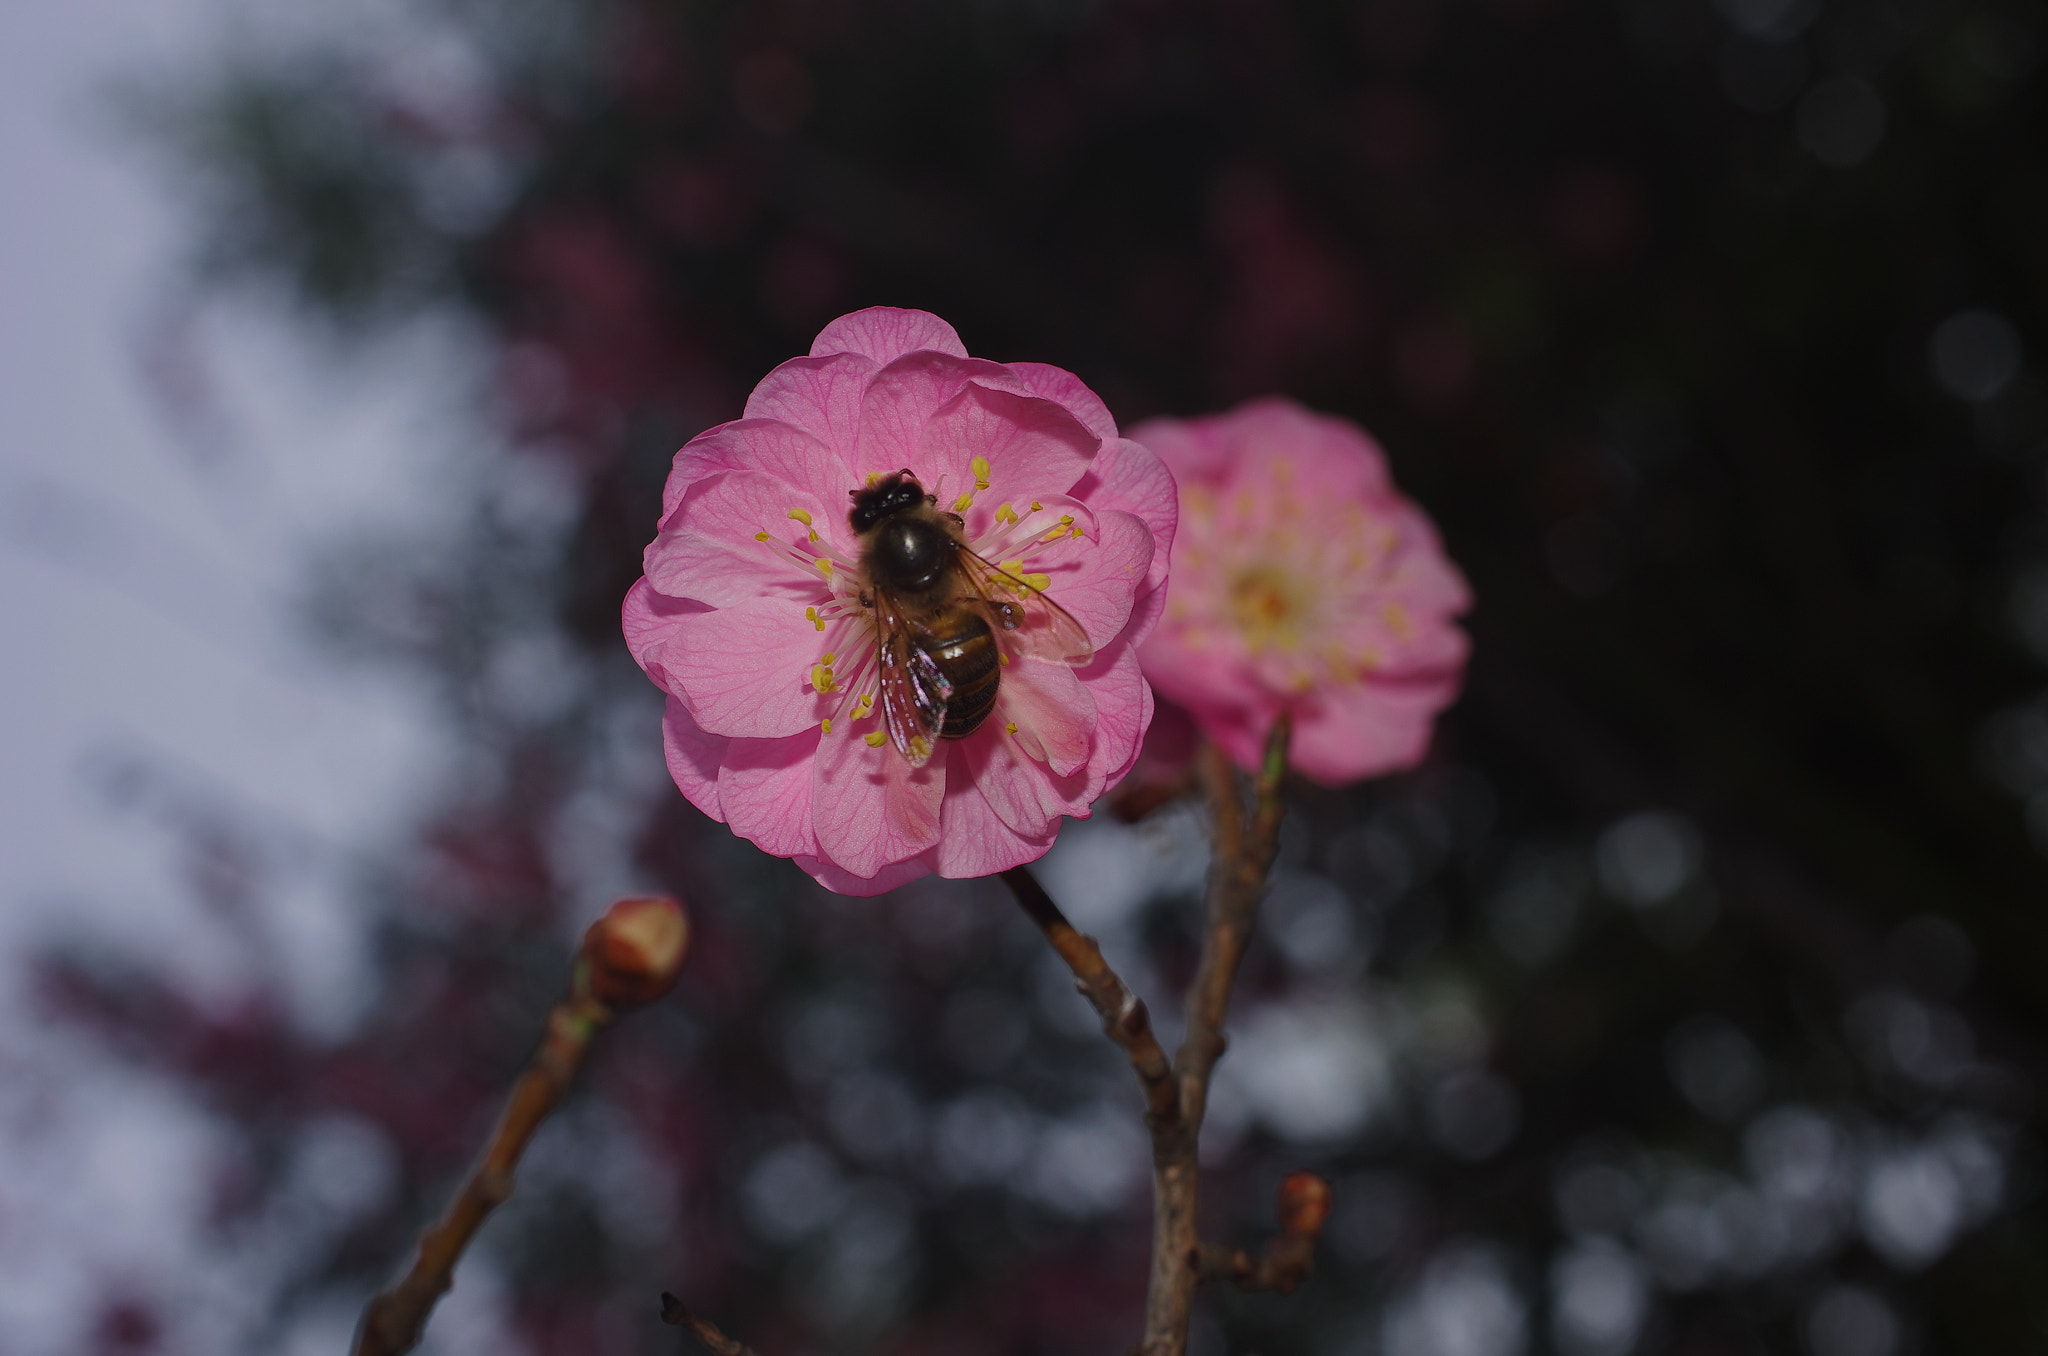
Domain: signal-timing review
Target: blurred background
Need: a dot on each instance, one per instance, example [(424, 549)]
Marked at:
[(1690, 999)]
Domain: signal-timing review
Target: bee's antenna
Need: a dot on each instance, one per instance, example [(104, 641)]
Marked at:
[(936, 490)]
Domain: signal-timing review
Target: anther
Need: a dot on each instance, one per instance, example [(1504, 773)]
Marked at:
[(980, 468), (874, 739)]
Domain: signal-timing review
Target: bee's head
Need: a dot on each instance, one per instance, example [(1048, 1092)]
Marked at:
[(891, 494)]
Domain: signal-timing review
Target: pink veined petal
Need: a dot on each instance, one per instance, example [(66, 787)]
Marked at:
[(1024, 794), (1033, 447), (763, 446), (1097, 578), (976, 841), (1146, 610), (766, 787), (1360, 730), (886, 333), (822, 396), (710, 551), (870, 808), (1053, 712), (1129, 476), (841, 881), (1123, 712), (646, 617), (693, 758), (1070, 393), (745, 671), (901, 401)]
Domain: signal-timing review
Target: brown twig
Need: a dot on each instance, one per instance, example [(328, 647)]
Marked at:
[(1289, 1257), (1123, 1013), (630, 956), (677, 1314), (1236, 883)]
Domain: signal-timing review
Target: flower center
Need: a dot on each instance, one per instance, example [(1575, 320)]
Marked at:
[(1268, 605)]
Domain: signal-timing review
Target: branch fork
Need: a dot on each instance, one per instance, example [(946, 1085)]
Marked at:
[(1177, 1090)]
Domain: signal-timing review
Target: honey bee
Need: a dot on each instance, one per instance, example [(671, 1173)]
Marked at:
[(943, 616)]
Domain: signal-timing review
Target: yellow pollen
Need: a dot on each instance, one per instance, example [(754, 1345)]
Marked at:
[(964, 502), (821, 678), (824, 565), (1006, 515), (760, 536), (874, 739), (1037, 507), (801, 515), (1397, 621), (862, 706), (1041, 582), (980, 468), (920, 747), (1066, 526), (827, 723), (814, 534), (1010, 727), (829, 656), (1266, 605), (874, 479), (1003, 659), (811, 616)]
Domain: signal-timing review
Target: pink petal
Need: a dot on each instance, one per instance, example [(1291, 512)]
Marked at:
[(1033, 447), (1274, 437), (1190, 449), (885, 333), (647, 618), (765, 787), (1123, 712), (744, 671), (821, 396), (768, 447), (1363, 730), (976, 841), (1070, 393), (1095, 578), (901, 401), (1053, 712), (693, 758), (1023, 793), (841, 881), (709, 550), (1129, 476), (869, 807)]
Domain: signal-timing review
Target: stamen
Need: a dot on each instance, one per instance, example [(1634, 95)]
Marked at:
[(874, 479), (920, 747), (760, 536), (821, 678), (1010, 728), (801, 515), (980, 468), (1066, 526), (1006, 515), (826, 724), (965, 502), (811, 616), (824, 565), (874, 739)]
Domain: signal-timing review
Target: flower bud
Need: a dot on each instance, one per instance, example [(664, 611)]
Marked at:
[(636, 950), (1304, 1204)]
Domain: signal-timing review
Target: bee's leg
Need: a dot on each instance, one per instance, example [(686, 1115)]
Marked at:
[(866, 601)]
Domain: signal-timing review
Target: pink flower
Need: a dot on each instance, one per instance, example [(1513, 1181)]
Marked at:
[(751, 616), (1302, 578)]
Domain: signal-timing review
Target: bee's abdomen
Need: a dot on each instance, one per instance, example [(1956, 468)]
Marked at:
[(965, 651)]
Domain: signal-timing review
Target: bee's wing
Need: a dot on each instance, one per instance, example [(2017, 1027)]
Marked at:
[(1023, 616), (914, 692)]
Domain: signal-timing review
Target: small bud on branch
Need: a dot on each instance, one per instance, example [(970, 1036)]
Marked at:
[(635, 952), (630, 957)]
